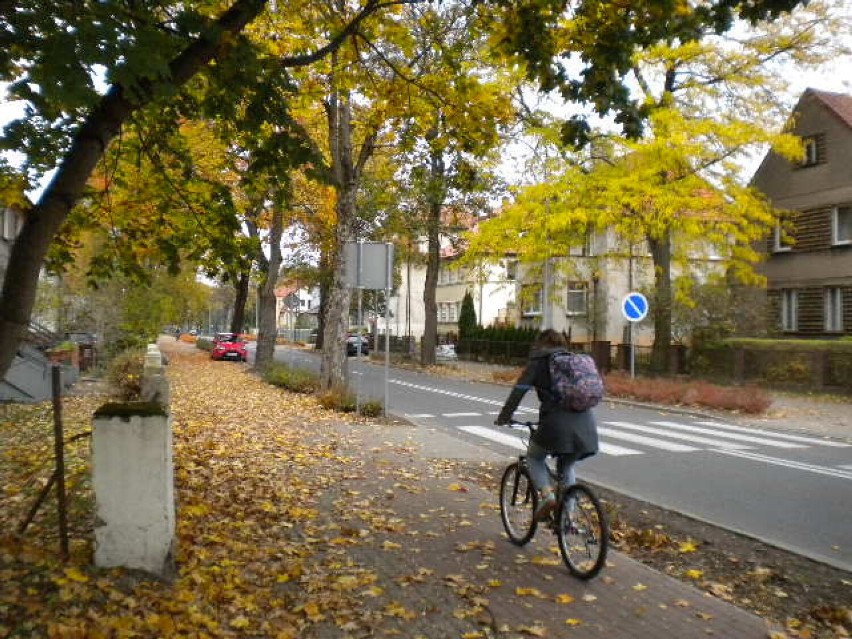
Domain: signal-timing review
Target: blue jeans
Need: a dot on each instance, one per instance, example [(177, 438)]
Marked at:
[(536, 456)]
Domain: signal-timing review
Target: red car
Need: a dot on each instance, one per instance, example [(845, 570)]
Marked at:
[(228, 346)]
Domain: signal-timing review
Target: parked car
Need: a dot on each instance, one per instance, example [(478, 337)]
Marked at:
[(228, 346), (352, 345), (446, 352)]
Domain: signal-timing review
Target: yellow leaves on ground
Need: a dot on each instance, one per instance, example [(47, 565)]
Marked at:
[(694, 574), (687, 546)]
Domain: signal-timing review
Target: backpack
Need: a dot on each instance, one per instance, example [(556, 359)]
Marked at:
[(575, 382)]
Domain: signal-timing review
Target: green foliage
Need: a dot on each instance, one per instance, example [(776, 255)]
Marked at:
[(583, 51), (467, 316), (790, 371), (297, 380), (204, 343), (372, 408), (124, 374), (339, 399), (789, 345)]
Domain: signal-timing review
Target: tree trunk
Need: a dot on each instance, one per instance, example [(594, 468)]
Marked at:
[(44, 220), (435, 198), (661, 252), (333, 369), (241, 289), (267, 330), (346, 171)]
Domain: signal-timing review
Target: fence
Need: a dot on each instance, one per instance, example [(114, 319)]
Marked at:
[(794, 366)]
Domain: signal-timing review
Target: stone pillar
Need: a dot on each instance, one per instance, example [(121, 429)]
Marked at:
[(133, 479)]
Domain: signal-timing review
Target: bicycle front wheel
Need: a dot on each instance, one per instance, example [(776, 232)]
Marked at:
[(582, 531), (518, 502)]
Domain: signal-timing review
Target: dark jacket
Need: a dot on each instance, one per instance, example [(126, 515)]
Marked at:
[(559, 430)]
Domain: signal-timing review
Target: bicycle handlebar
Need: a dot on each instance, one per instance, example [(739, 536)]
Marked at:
[(530, 425)]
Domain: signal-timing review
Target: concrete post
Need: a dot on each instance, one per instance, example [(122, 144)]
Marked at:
[(133, 478)]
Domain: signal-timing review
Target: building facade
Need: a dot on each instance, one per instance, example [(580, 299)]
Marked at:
[(809, 257)]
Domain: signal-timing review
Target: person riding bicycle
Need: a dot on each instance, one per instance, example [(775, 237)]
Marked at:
[(560, 431)]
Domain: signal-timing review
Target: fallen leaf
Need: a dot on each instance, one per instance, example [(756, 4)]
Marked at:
[(564, 599)]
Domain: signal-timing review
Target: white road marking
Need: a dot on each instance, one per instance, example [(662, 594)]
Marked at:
[(764, 441), (787, 463), (777, 435), (647, 441), (461, 414), (517, 443), (690, 438), (501, 438), (418, 415)]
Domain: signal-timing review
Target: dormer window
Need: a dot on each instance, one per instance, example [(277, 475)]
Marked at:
[(814, 152)]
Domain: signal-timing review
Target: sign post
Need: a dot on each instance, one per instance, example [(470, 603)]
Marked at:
[(634, 307), (370, 265)]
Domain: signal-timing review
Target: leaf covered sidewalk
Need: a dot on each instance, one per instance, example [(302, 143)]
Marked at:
[(294, 522)]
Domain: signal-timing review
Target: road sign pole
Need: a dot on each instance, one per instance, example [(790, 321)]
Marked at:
[(634, 307), (632, 353)]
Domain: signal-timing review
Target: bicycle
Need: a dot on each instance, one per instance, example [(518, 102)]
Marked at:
[(579, 521)]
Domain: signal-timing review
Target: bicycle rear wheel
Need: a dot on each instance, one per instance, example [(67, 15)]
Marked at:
[(582, 531), (518, 502)]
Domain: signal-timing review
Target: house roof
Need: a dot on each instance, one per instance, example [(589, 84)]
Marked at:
[(839, 103)]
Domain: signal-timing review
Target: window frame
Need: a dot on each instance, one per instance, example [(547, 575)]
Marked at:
[(789, 310), (526, 303), (10, 224), (811, 151), (575, 288), (777, 246), (835, 225), (833, 309)]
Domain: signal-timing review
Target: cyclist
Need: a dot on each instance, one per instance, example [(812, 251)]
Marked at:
[(560, 431)]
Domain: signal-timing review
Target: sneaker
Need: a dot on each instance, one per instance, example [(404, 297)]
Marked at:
[(546, 505)]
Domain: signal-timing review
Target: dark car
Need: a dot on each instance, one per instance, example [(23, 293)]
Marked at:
[(352, 345), (228, 346)]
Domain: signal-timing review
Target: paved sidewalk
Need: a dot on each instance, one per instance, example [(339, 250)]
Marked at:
[(455, 569)]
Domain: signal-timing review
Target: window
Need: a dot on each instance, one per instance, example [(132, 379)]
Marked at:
[(511, 270), (780, 241), (531, 299), (448, 312), (789, 310), (582, 249), (841, 225), (833, 309), (811, 155), (9, 224), (577, 301)]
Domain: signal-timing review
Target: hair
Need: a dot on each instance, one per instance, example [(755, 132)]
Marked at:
[(550, 338)]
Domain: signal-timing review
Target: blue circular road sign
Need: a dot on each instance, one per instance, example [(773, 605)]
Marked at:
[(634, 307)]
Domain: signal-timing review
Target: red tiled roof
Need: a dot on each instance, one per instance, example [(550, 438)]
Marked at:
[(840, 103)]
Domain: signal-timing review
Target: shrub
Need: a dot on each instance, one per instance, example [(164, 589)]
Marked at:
[(297, 380), (124, 374), (372, 408), (506, 375), (345, 401), (204, 343), (339, 399), (668, 391)]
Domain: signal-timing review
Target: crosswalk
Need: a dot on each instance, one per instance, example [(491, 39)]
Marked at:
[(623, 438)]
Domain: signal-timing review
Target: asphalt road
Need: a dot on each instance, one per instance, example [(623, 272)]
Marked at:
[(792, 491)]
